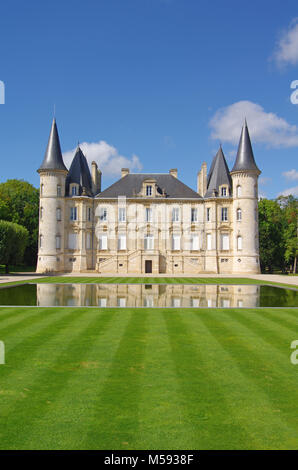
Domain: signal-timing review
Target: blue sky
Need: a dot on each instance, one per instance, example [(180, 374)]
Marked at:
[(150, 84)]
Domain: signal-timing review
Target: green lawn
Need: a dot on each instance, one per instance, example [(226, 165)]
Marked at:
[(90, 378)]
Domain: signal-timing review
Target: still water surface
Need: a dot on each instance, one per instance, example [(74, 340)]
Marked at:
[(148, 295)]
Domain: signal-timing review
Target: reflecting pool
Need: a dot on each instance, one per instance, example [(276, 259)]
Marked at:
[(149, 295)]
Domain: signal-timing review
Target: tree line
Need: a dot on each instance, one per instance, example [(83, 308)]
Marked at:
[(19, 206)]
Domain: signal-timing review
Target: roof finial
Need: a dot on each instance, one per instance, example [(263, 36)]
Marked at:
[(54, 116)]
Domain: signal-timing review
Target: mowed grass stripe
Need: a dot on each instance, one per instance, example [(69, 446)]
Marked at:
[(287, 318), (10, 313), (27, 363), (40, 329), (118, 408), (245, 401), (276, 334), (270, 370), (204, 400), (75, 406), (54, 381), (163, 423)]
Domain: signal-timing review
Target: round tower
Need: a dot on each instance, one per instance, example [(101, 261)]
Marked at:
[(245, 175), (52, 173)]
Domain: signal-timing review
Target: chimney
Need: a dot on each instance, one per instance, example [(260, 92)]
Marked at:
[(96, 178), (174, 172), (202, 180), (124, 172)]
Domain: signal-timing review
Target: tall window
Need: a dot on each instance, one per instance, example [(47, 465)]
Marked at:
[(208, 214), (103, 214), (194, 215), (41, 189), (224, 214), (41, 212), (58, 213), (148, 214), (225, 242), (148, 190), (209, 241), (175, 214), (239, 243), (89, 213), (149, 242), (239, 214), (122, 242), (73, 213), (73, 190), (176, 242), (224, 191), (122, 214), (58, 190), (40, 241), (72, 241), (194, 245), (239, 190), (103, 242), (58, 242), (88, 241)]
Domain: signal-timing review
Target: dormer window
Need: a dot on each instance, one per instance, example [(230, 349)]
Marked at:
[(74, 189), (149, 188), (224, 191)]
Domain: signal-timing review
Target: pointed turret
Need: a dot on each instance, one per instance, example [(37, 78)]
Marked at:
[(245, 157), (79, 173), (53, 157), (218, 175)]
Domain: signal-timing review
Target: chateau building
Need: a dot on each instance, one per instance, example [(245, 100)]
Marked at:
[(148, 223)]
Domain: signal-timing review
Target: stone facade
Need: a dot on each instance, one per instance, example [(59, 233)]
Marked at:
[(152, 223)]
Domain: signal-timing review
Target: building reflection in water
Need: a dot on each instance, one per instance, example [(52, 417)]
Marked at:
[(148, 295)]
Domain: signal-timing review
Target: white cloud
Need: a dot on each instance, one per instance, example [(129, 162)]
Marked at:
[(267, 128), (106, 156), (290, 191), (286, 51), (264, 180), (291, 174)]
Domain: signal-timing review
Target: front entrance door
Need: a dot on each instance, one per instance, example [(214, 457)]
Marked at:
[(148, 266)]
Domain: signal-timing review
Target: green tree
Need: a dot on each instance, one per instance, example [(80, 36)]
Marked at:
[(271, 237), (19, 203), (289, 206), (13, 242)]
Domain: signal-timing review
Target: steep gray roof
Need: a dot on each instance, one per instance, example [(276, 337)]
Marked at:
[(245, 157), (53, 157), (218, 174), (131, 184), (79, 173)]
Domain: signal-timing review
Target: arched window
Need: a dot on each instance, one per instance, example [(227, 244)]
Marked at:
[(41, 189), (239, 214), (239, 190), (58, 190), (40, 241), (58, 242), (239, 243)]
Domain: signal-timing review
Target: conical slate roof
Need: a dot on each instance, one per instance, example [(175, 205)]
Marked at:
[(79, 173), (245, 158), (219, 174), (53, 157)]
